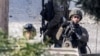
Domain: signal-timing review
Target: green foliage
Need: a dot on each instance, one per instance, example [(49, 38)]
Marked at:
[(29, 50), (19, 47), (90, 6), (3, 39)]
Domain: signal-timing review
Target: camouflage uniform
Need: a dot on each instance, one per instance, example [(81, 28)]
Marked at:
[(79, 34)]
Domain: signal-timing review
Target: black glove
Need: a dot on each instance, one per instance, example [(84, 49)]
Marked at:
[(75, 29), (65, 24)]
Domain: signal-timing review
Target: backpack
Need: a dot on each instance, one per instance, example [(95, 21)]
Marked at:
[(48, 12)]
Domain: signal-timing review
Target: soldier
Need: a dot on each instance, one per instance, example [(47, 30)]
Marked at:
[(79, 35), (60, 10), (60, 7), (29, 31)]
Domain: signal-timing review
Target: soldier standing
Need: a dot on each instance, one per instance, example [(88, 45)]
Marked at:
[(60, 9), (79, 35)]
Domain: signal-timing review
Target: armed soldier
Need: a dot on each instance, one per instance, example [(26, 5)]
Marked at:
[(79, 35), (53, 13)]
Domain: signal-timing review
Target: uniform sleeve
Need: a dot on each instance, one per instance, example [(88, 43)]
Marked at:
[(85, 35), (59, 12)]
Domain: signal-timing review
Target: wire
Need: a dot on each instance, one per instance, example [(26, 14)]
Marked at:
[(89, 49)]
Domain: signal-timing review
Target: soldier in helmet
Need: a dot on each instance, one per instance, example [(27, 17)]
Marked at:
[(29, 31), (79, 35)]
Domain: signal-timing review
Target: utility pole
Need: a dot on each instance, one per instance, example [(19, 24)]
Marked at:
[(4, 8)]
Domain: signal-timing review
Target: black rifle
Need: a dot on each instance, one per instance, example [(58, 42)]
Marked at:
[(47, 14), (43, 21), (69, 30)]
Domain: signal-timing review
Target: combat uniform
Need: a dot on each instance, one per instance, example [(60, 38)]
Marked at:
[(79, 35)]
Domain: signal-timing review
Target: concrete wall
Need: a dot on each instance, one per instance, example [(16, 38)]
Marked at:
[(27, 11), (93, 29), (22, 12)]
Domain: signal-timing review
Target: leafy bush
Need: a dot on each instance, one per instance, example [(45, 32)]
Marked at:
[(19, 47)]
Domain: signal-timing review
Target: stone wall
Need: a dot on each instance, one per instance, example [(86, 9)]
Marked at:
[(22, 12)]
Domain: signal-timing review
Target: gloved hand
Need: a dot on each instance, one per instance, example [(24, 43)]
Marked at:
[(77, 31), (65, 24)]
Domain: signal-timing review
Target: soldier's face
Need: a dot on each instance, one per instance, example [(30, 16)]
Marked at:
[(75, 19)]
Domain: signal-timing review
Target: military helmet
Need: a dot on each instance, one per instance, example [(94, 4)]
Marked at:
[(28, 26), (75, 12)]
